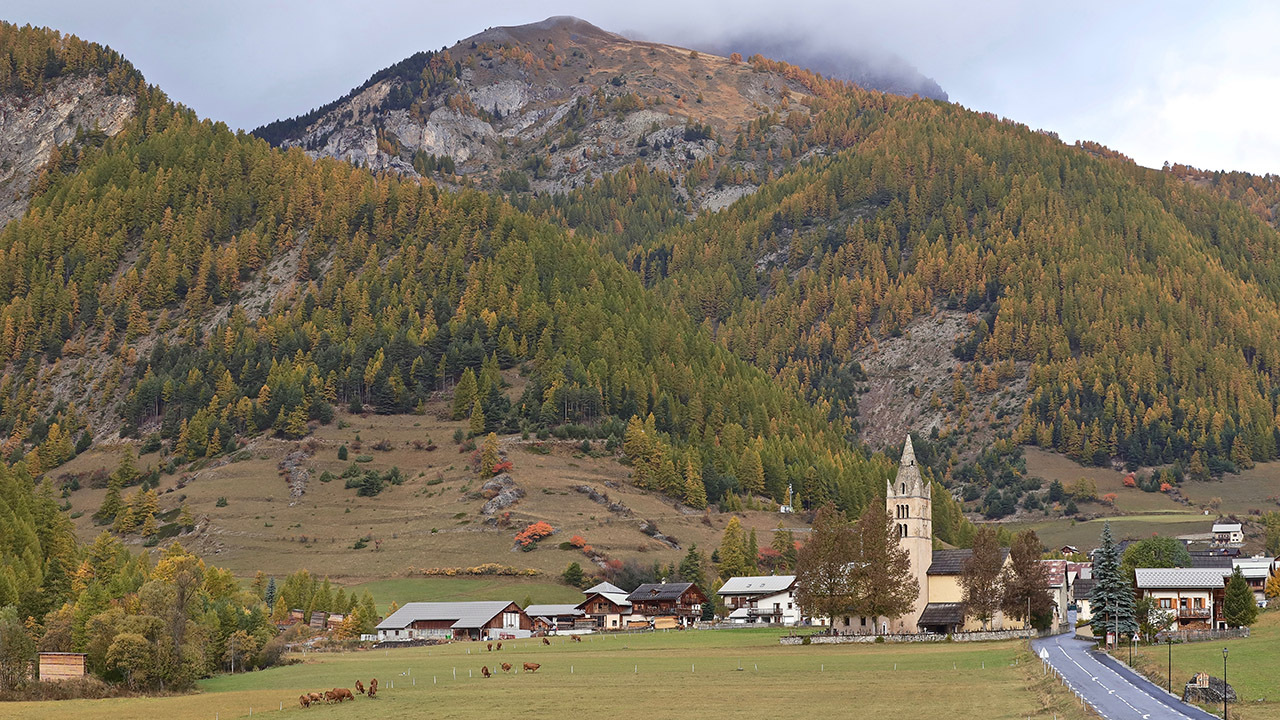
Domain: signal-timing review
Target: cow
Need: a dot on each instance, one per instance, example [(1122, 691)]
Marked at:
[(576, 638), (506, 667), (484, 670), (499, 646), (531, 667), (373, 686), (315, 697), (490, 647), (304, 701), (330, 696), (546, 641), (344, 694), (359, 687)]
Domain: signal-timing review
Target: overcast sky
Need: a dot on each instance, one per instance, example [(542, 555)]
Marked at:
[(1189, 82)]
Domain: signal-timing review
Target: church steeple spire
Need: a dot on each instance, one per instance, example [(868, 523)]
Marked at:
[(908, 481)]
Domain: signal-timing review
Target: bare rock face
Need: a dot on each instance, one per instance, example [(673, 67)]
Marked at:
[(30, 128), (502, 491)]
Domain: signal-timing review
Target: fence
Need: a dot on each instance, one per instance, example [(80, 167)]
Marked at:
[(1186, 636), (980, 636)]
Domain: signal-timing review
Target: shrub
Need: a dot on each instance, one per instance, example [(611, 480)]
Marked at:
[(528, 538), (879, 638), (222, 502), (364, 458), (342, 453)]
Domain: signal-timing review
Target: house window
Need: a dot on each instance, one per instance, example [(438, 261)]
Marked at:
[(846, 620), (1166, 603), (864, 622)]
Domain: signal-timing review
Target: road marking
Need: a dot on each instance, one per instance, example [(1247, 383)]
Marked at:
[(1110, 691)]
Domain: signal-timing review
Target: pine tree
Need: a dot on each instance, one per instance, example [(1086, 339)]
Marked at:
[(1239, 608), (279, 611), (476, 424), (489, 455), (185, 520), (111, 503), (695, 492), (753, 554), (752, 473), (1112, 599), (269, 594), (464, 395)]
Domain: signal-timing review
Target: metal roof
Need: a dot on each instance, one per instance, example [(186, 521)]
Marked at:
[(1055, 572), (1226, 527), (1172, 578), (757, 585), (463, 614), (659, 591), (548, 611), (605, 587)]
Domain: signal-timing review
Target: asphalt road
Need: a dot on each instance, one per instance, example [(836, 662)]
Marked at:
[(1114, 691)]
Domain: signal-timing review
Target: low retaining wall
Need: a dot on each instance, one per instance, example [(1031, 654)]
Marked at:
[(1202, 635), (909, 638)]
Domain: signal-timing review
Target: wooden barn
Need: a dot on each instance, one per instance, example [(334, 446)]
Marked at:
[(61, 666), (456, 621), (680, 601)]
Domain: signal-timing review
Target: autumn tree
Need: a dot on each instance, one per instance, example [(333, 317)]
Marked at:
[(1025, 582), (824, 585), (982, 577), (881, 569), (489, 455)]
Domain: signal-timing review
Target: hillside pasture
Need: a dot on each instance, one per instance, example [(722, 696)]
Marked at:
[(730, 673)]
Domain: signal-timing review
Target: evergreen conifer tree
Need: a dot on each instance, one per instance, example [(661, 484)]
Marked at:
[(1112, 598), (1238, 607)]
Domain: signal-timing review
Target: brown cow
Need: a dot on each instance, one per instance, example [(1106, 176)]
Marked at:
[(359, 687), (330, 696), (506, 667), (315, 697), (576, 638), (531, 667), (484, 670), (373, 686), (490, 646), (546, 641), (304, 701), (499, 646)]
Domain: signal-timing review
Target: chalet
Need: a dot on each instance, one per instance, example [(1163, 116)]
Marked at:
[(61, 666), (1059, 577), (456, 621), (553, 618), (668, 604), (1256, 570), (1195, 595), (1228, 534), (1069, 550), (606, 607), (764, 600)]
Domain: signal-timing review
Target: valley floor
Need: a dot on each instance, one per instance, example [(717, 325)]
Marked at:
[(724, 673)]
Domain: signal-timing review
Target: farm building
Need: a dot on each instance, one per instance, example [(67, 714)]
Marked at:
[(456, 620), (1228, 534), (668, 604), (762, 599), (61, 666), (1256, 570), (552, 618), (606, 607)]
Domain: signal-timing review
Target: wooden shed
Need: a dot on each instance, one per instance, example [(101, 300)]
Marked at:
[(61, 666)]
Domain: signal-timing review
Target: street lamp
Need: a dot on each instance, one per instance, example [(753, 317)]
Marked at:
[(1224, 684), (1169, 639)]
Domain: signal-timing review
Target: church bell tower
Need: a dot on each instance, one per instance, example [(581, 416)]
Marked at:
[(910, 504)]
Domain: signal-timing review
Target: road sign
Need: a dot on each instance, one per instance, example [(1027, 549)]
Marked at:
[(1044, 654)]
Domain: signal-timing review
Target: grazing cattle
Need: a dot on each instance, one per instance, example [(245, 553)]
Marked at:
[(315, 697), (506, 667), (330, 696), (304, 701), (531, 667), (359, 687), (546, 641), (576, 638), (490, 646), (373, 686), (484, 670), (499, 646)]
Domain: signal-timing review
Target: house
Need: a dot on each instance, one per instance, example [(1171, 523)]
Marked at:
[(668, 605), (1069, 550), (606, 607), (456, 620), (553, 618), (61, 666), (1060, 575), (945, 612), (762, 599), (1228, 534), (1193, 595), (1083, 590), (1256, 570)]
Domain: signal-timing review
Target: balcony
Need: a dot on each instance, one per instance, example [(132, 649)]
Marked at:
[(764, 612), (1193, 613)]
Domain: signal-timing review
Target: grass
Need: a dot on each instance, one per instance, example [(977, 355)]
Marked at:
[(403, 590), (738, 673), (1251, 670)]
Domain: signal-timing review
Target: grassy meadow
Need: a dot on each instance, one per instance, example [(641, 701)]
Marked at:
[(404, 590), (1253, 667), (729, 673)]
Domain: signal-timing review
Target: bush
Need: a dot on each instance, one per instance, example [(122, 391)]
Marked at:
[(342, 453), (364, 458), (222, 502), (879, 638)]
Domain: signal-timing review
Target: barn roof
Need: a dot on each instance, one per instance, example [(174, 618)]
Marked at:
[(1226, 527), (550, 611), (605, 588), (463, 614), (1171, 578), (951, 562), (757, 585), (942, 614), (618, 598), (659, 591), (1084, 587)]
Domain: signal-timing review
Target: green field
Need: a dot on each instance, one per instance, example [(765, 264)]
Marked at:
[(1253, 667), (730, 673), (432, 589)]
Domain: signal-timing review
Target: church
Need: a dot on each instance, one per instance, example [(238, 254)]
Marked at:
[(939, 608)]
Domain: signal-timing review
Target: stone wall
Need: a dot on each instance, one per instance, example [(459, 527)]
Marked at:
[(909, 637)]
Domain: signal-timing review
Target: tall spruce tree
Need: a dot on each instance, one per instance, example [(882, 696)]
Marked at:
[(1112, 599), (1238, 607)]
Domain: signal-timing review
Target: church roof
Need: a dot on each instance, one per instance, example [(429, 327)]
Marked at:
[(909, 475), (942, 614), (951, 562)]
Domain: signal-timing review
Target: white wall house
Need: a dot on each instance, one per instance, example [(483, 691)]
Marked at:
[(762, 600), (1228, 534)]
